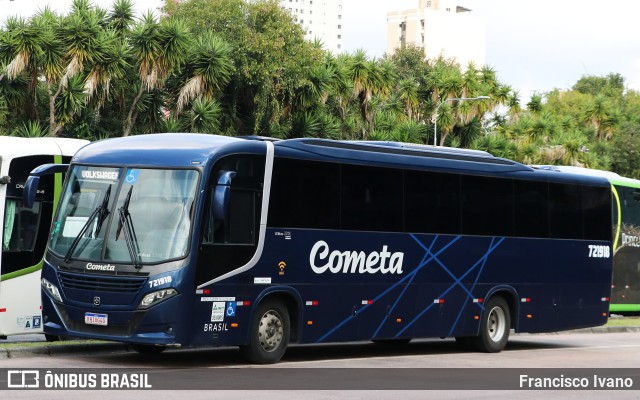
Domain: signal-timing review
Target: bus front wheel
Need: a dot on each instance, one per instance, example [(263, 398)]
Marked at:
[(494, 327), (269, 333)]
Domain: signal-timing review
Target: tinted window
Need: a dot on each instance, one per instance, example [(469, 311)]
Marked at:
[(565, 213), (371, 199), (487, 206), (229, 239), (531, 209), (305, 194), (596, 203), (432, 202)]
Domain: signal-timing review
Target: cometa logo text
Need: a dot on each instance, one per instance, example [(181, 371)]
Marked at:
[(352, 262), (100, 267)]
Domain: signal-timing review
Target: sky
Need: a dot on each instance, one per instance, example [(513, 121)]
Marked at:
[(534, 46)]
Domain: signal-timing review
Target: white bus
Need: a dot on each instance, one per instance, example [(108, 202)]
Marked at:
[(25, 230)]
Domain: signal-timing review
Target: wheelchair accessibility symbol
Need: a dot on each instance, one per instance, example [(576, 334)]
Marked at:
[(132, 176), (231, 309)]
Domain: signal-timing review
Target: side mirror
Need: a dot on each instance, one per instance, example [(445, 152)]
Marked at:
[(31, 185), (221, 195)]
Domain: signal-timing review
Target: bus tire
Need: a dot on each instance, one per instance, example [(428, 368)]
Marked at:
[(148, 348), (494, 327), (269, 333)]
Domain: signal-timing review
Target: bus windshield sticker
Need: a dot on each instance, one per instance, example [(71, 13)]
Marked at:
[(100, 175), (73, 226), (217, 311), (231, 309), (132, 176)]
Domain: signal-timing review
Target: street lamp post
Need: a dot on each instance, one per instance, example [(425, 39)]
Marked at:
[(435, 122)]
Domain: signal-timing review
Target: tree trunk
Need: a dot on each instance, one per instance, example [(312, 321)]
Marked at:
[(131, 117)]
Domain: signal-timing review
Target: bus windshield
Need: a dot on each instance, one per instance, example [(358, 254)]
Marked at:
[(125, 215)]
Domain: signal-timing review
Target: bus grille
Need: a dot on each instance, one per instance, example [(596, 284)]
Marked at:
[(101, 283)]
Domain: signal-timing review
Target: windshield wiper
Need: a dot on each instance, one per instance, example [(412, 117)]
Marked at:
[(101, 212), (129, 232)]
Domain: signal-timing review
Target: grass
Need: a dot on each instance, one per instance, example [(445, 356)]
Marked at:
[(14, 345), (626, 321)]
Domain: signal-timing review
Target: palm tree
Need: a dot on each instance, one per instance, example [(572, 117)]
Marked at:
[(122, 17), (446, 121), (596, 113), (204, 116), (209, 69), (408, 95), (110, 64), (21, 49), (513, 103), (84, 39), (158, 48), (535, 103), (369, 78)]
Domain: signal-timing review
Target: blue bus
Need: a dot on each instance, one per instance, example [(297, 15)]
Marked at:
[(174, 240)]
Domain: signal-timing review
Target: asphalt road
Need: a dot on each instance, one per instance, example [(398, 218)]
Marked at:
[(350, 369)]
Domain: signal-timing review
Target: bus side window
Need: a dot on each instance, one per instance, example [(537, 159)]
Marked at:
[(231, 220), (231, 216)]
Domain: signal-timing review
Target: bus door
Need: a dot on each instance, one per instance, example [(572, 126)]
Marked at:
[(24, 236), (228, 242)]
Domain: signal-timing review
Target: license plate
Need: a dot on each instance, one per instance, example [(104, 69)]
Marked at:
[(95, 319)]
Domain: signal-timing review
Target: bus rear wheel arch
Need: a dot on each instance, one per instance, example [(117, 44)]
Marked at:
[(495, 326), (269, 333)]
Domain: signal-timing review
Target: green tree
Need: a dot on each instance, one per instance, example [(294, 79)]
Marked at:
[(207, 71), (625, 151), (159, 48), (272, 60), (597, 112)]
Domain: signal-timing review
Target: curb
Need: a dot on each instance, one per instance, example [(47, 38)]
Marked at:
[(604, 329), (51, 350)]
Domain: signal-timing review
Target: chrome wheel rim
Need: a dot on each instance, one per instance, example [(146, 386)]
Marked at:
[(496, 324), (270, 331)]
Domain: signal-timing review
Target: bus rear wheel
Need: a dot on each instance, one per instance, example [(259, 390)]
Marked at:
[(269, 333), (494, 327)]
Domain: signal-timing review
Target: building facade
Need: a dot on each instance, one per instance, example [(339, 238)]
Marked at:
[(320, 19), (441, 28)]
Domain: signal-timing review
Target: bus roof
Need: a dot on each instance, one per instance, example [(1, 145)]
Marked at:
[(192, 149), (392, 153), (174, 149), (11, 146), (610, 176)]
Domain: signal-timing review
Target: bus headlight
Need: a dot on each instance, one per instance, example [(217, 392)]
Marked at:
[(52, 290), (156, 297)]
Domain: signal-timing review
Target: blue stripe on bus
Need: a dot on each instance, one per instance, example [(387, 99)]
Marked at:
[(457, 282), (408, 276), (455, 323), (422, 262)]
